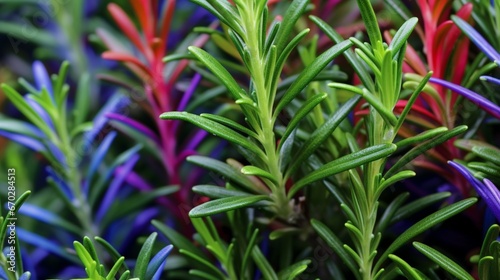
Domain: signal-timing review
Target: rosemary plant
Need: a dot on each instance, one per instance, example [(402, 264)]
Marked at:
[(361, 203)]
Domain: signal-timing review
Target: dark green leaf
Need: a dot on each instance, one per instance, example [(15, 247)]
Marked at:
[(215, 128), (321, 134), (487, 153), (389, 212), (230, 123), (217, 191), (418, 205), (142, 262), (422, 148), (402, 34), (214, 65), (308, 74), (230, 173), (443, 261), (110, 250), (292, 14), (294, 270), (308, 105), (360, 69), (407, 270), (177, 239), (371, 23), (334, 242), (343, 164), (425, 224), (260, 260)]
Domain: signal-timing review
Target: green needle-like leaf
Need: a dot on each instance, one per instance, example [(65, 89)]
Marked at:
[(230, 123), (420, 149), (215, 128), (294, 270), (443, 261), (225, 204), (216, 67), (343, 164), (371, 23), (334, 242), (360, 69), (260, 260), (418, 205), (25, 108), (256, 171), (402, 35), (293, 13), (309, 73), (217, 191), (407, 270), (142, 262), (487, 153), (115, 268), (177, 239), (425, 224), (230, 173), (308, 105), (321, 134)]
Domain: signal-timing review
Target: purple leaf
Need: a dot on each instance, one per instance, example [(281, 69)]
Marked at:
[(196, 140), (495, 195), (58, 155), (477, 39), (98, 157), (155, 266), (47, 217), (115, 186), (475, 98), (60, 183), (135, 125), (42, 79), (490, 79), (136, 181), (189, 92), (24, 140), (142, 220), (486, 190), (40, 111), (116, 103), (41, 242)]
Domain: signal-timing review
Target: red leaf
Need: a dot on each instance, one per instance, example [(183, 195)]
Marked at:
[(128, 28)]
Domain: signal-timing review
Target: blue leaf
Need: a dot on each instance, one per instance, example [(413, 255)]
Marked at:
[(60, 183), (490, 79), (477, 39), (475, 98), (42, 79), (25, 276), (24, 140), (116, 103), (155, 266), (486, 190), (40, 111), (58, 154), (44, 243), (98, 157), (47, 217), (114, 187)]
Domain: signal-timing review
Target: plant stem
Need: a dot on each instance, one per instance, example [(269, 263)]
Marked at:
[(251, 21)]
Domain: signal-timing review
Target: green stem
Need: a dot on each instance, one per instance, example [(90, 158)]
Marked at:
[(80, 206), (251, 21), (380, 134)]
